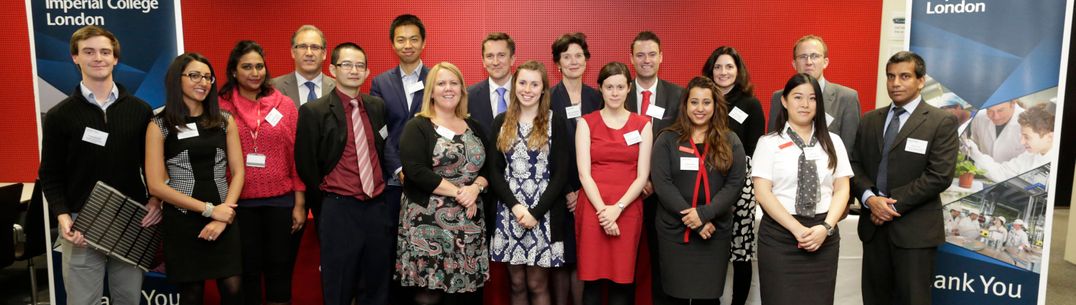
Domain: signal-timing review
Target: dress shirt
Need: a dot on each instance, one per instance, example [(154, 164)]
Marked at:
[(410, 79), (344, 178), (776, 159), (304, 91), (493, 95), (908, 110), (113, 95), (639, 96)]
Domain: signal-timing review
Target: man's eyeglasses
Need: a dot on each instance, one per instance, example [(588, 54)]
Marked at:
[(311, 47), (811, 57), (348, 66)]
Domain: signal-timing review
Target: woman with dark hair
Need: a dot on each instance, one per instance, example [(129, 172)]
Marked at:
[(272, 202), (571, 99), (529, 174), (698, 171), (613, 154), (726, 68), (798, 238), (190, 146)]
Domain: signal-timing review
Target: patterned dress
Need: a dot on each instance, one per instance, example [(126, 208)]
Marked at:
[(438, 247), (527, 175), (743, 222)]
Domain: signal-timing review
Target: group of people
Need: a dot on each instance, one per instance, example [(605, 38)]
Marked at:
[(418, 186), (995, 232)]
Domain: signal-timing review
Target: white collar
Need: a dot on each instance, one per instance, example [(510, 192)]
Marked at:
[(302, 79)]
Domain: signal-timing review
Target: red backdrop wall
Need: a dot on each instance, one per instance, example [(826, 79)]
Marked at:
[(762, 30)]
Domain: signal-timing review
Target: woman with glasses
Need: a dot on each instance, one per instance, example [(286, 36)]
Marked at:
[(190, 145), (272, 201)]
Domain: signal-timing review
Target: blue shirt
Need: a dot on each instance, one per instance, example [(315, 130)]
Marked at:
[(113, 95)]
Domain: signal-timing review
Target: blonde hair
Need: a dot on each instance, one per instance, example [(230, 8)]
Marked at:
[(538, 135), (431, 81)]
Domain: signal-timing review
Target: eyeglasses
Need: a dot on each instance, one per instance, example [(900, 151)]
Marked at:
[(811, 57), (348, 66), (196, 77), (311, 47)]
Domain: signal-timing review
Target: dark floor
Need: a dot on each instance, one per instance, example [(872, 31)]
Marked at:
[(15, 283)]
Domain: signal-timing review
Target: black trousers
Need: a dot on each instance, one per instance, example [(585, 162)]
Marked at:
[(357, 252), (267, 253), (895, 275)]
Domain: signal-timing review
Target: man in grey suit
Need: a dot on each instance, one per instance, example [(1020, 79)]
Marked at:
[(307, 83), (658, 100), (811, 55), (490, 97), (903, 158)]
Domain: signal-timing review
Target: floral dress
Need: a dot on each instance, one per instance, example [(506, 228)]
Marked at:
[(438, 247)]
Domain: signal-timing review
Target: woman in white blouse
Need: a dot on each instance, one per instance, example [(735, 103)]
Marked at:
[(801, 176)]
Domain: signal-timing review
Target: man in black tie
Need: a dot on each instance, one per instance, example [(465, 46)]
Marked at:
[(903, 159)]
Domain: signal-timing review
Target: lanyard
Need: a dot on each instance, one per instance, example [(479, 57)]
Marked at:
[(701, 177), (257, 126)]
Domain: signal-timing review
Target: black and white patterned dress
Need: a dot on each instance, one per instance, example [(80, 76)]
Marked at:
[(528, 173), (743, 222), (196, 167)]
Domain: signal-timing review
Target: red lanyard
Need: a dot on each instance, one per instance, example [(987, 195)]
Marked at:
[(257, 126), (700, 177)]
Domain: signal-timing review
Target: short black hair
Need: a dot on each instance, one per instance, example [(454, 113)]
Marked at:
[(345, 45), (407, 19), (644, 36), (909, 56), (561, 44)]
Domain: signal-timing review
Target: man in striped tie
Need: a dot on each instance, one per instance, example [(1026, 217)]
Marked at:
[(338, 145)]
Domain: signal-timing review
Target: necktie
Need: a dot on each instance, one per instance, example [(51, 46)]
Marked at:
[(311, 95), (645, 102), (807, 196), (362, 150), (502, 106), (890, 135)]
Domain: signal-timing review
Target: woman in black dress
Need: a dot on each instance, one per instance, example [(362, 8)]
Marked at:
[(190, 146)]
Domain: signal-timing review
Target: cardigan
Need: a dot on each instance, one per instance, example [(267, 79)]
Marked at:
[(277, 143), (675, 188), (416, 155)]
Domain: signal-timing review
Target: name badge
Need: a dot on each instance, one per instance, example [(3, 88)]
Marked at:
[(445, 132), (916, 146), (814, 153), (187, 131), (384, 132), (412, 88), (689, 163), (255, 160), (95, 136), (574, 111), (738, 115), (786, 145), (274, 117), (655, 111), (633, 137), (829, 119)]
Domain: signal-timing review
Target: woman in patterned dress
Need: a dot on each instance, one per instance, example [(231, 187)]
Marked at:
[(530, 173), (441, 244), (189, 147)]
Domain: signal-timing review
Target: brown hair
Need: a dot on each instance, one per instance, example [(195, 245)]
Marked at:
[(500, 36), (1040, 118), (91, 31), (720, 152), (538, 136), (825, 49)]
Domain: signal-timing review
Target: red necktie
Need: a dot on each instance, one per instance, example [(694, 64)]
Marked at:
[(645, 102), (362, 150)]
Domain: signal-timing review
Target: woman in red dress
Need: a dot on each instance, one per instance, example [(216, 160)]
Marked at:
[(613, 154)]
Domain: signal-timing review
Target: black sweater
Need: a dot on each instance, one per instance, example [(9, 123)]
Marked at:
[(70, 166)]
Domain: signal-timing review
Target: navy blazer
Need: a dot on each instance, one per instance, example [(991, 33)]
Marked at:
[(478, 103), (389, 87)]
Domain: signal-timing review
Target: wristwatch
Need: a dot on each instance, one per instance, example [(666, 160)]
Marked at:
[(829, 229), (621, 206)]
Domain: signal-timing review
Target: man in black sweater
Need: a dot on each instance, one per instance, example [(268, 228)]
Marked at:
[(96, 134)]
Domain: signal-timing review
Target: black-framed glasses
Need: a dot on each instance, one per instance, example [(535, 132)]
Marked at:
[(311, 47), (198, 76), (348, 66)]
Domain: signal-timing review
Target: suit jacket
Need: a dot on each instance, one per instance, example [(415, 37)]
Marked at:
[(321, 134), (478, 103), (389, 87), (842, 103), (288, 85), (915, 180), (669, 95)]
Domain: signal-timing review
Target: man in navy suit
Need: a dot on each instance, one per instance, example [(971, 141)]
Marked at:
[(490, 97), (401, 88)]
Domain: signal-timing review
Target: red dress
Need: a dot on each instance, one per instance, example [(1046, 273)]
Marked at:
[(613, 165)]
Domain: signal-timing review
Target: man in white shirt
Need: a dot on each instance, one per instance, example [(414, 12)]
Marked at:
[(306, 83), (490, 97), (952, 222), (996, 132)]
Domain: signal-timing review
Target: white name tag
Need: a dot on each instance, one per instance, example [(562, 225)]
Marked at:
[(445, 132), (95, 136), (574, 111), (188, 131), (384, 132), (916, 146), (738, 115), (255, 160), (412, 88), (829, 119), (633, 137), (274, 117), (655, 111), (689, 163), (814, 153)]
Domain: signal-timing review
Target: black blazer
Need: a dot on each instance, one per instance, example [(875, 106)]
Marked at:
[(675, 188), (321, 134), (552, 200), (389, 86), (915, 180), (591, 101), (669, 95), (754, 126), (478, 103)]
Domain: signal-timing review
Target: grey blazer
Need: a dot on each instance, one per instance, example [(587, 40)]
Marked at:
[(669, 95), (841, 102), (287, 85)]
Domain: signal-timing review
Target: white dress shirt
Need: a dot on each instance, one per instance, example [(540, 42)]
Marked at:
[(305, 91), (409, 80), (639, 95), (113, 95), (493, 95), (777, 159)]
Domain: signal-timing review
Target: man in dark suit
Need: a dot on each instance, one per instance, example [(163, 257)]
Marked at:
[(658, 100), (903, 159), (338, 145), (307, 83), (811, 55), (490, 97)]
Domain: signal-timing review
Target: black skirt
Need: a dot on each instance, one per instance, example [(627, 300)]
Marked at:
[(189, 258), (790, 275)]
